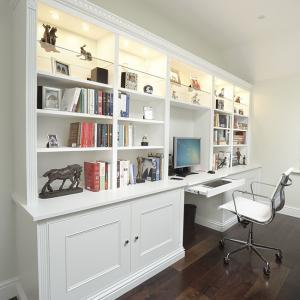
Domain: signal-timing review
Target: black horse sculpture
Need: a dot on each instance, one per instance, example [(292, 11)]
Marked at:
[(71, 172)]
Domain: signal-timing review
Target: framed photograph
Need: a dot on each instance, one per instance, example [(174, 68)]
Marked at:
[(195, 84), (52, 141), (60, 68), (51, 98), (148, 113), (129, 80), (174, 76)]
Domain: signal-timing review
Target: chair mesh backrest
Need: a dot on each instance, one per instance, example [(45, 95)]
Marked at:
[(278, 197)]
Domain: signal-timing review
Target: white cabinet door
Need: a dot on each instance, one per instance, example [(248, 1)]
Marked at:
[(156, 227), (89, 252)]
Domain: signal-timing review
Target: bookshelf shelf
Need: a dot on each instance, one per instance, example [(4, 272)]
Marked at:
[(141, 148), (68, 81), (236, 129), (190, 88), (188, 105), (223, 111), (63, 114), (224, 98), (137, 120), (222, 128), (221, 146), (241, 116), (141, 96), (240, 145), (70, 149)]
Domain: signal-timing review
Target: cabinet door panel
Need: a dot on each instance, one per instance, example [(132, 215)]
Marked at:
[(88, 252), (155, 227)]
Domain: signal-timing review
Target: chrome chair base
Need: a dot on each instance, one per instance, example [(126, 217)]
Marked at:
[(251, 245)]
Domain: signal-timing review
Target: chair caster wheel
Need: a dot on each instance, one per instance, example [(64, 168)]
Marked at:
[(267, 270), (221, 244), (278, 256), (226, 260)]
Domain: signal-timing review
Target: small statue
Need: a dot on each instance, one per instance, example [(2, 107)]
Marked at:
[(71, 172), (238, 99), (87, 55), (195, 99), (144, 141), (244, 160), (238, 155), (222, 93), (139, 175), (174, 96), (222, 163), (49, 35)]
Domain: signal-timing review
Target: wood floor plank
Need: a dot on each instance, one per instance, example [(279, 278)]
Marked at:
[(196, 252), (191, 294)]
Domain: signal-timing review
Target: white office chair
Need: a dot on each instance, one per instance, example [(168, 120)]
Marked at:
[(250, 211)]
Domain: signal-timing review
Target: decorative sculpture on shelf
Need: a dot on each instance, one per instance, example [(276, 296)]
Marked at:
[(48, 40), (195, 99), (87, 55), (144, 141), (222, 93), (244, 160), (71, 172), (238, 156)]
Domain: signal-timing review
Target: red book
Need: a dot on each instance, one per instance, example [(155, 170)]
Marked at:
[(91, 139), (106, 176), (100, 99), (91, 176), (84, 137)]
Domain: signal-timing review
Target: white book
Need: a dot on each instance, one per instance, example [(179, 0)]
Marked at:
[(70, 99), (109, 175), (130, 135), (102, 175), (126, 167)]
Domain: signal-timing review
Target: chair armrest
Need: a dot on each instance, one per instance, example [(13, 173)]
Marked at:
[(259, 183)]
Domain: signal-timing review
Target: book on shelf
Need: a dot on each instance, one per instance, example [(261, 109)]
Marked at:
[(221, 137), (221, 159), (151, 167), (97, 176), (70, 99), (125, 135), (239, 138), (222, 120), (90, 134), (124, 100)]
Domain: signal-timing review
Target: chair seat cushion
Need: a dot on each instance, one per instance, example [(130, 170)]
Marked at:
[(249, 209)]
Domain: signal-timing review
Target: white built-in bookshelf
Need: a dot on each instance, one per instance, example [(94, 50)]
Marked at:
[(188, 96)]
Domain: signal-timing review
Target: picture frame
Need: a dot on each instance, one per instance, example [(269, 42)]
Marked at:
[(60, 68), (175, 76), (51, 98), (148, 113), (129, 80), (52, 141)]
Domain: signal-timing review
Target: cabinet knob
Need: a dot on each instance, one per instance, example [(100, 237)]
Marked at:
[(126, 243), (136, 238)]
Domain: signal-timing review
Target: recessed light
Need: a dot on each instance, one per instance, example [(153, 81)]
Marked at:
[(54, 15), (85, 27), (261, 17)]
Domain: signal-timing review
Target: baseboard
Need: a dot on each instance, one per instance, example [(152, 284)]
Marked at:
[(290, 211), (219, 226), (11, 288), (139, 277)]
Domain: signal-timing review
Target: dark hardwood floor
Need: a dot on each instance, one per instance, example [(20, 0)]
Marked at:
[(202, 274)]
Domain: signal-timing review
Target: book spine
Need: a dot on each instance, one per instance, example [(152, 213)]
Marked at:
[(102, 176), (95, 102), (91, 176), (157, 161), (109, 175), (111, 106), (118, 173), (127, 105), (106, 176), (100, 93)]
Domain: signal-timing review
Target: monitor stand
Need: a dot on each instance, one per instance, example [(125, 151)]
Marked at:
[(183, 172)]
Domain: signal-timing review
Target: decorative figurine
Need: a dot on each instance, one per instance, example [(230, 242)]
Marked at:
[(144, 141), (52, 141), (148, 89), (238, 99), (49, 35), (139, 175), (238, 155), (222, 163), (222, 93), (195, 99), (174, 96), (71, 172), (87, 55), (241, 112), (244, 160)]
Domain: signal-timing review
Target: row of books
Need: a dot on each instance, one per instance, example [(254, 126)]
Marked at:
[(97, 176), (239, 137), (149, 168), (125, 135), (221, 137), (87, 101), (240, 125), (90, 134), (221, 159), (221, 120)]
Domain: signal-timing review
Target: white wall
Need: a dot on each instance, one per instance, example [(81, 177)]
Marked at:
[(7, 219)]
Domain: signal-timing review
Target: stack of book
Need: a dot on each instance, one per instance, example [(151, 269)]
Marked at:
[(125, 135), (221, 159), (124, 100), (90, 134), (97, 176), (221, 120), (221, 137), (239, 138), (126, 173), (87, 101)]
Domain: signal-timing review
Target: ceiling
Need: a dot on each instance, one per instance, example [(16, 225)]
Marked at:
[(230, 23)]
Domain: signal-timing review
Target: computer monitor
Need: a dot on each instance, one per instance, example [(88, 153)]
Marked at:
[(186, 152)]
